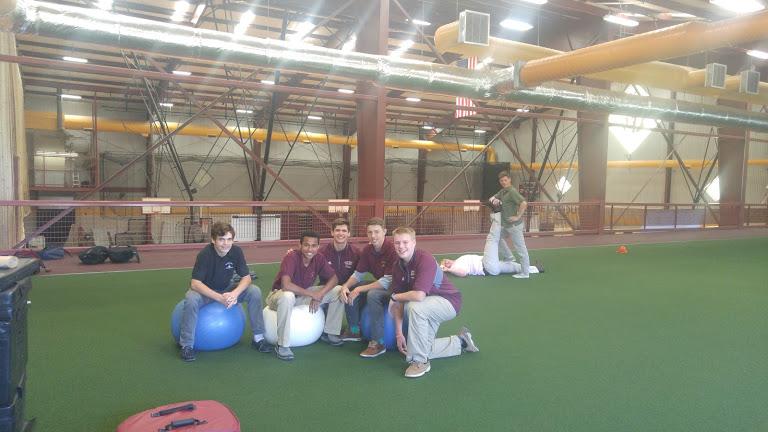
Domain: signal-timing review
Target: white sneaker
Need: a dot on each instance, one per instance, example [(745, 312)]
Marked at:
[(466, 336), (520, 276)]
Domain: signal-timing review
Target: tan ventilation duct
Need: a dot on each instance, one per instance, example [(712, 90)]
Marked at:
[(634, 164), (47, 121), (649, 74)]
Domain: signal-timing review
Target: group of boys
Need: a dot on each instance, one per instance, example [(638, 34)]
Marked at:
[(406, 281)]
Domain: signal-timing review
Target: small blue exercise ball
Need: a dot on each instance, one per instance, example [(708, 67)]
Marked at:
[(217, 327), (389, 327)]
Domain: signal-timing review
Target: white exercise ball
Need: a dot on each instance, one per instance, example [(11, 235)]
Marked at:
[(306, 327)]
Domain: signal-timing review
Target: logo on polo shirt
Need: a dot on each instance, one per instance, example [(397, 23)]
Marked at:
[(347, 264), (229, 265)]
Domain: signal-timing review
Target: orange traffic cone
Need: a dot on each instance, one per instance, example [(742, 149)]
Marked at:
[(622, 250)]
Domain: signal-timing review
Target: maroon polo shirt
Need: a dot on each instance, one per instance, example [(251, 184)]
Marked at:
[(419, 275), (303, 276), (343, 262), (377, 263)]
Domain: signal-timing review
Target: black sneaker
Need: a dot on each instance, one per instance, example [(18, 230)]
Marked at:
[(262, 346), (333, 340), (187, 354)]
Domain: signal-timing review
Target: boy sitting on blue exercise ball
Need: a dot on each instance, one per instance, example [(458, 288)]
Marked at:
[(212, 281)]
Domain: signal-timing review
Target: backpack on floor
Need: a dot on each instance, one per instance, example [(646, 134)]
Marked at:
[(123, 254), (193, 416), (52, 253), (93, 255)]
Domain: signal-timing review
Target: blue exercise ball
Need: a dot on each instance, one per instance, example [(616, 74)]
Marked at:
[(217, 327), (389, 327)]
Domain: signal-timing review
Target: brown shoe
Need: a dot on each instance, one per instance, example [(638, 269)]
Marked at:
[(417, 369), (374, 349)]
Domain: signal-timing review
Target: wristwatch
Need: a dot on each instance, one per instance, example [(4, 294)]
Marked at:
[(392, 297)]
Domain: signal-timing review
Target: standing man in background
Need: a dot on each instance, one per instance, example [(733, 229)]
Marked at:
[(513, 207)]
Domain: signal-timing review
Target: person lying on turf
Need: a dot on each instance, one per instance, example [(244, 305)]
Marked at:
[(475, 265)]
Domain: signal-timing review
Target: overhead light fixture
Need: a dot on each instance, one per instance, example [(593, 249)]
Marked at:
[(104, 4), (762, 55), (56, 154), (180, 9), (300, 31), (480, 131), (402, 48), (536, 2), (350, 44), (346, 91), (244, 111), (71, 96), (621, 20), (198, 13), (314, 117), (680, 15), (267, 82), (166, 104), (413, 99), (245, 20), (739, 6), (515, 25), (523, 110), (419, 22), (75, 59), (427, 127), (182, 73)]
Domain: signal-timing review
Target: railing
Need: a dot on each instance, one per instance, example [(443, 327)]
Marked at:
[(89, 223), (654, 216), (444, 218)]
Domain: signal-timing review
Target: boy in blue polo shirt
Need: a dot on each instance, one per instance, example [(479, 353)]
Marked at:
[(212, 280)]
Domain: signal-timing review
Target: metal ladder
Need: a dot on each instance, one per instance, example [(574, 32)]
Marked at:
[(75, 179)]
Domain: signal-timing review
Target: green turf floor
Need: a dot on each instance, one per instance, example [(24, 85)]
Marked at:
[(671, 337)]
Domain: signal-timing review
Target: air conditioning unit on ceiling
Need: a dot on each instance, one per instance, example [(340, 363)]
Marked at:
[(715, 74), (474, 27), (749, 82)]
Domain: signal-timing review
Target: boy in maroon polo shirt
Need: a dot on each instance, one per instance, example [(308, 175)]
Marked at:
[(429, 299), (376, 258), (343, 257), (294, 285), (340, 255)]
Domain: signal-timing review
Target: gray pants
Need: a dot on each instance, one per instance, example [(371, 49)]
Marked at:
[(377, 300), (193, 301), (424, 319), (495, 245), (283, 302), (515, 232)]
